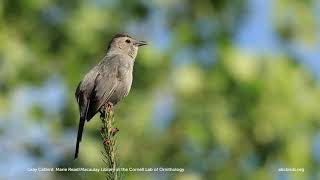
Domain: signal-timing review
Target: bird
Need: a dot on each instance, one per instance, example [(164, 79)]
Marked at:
[(108, 82)]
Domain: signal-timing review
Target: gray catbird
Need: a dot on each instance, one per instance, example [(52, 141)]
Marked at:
[(109, 81)]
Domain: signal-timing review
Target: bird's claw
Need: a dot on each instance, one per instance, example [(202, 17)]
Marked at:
[(109, 106)]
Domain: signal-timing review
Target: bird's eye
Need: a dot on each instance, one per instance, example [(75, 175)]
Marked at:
[(128, 41)]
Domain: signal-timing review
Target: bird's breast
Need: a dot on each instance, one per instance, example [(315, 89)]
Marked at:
[(124, 71), (125, 80), (122, 89)]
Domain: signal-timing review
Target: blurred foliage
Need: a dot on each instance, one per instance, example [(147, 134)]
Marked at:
[(228, 113)]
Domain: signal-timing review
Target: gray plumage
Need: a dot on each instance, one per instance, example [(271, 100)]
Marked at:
[(107, 82)]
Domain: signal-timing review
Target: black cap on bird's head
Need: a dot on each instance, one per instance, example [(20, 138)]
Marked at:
[(120, 35)]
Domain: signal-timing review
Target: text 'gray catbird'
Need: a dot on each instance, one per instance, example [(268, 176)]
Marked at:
[(108, 82)]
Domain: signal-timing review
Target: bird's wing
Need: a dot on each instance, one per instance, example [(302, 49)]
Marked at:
[(77, 93), (105, 84), (84, 91), (83, 94)]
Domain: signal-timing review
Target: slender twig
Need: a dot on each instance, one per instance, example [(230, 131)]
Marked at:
[(108, 134)]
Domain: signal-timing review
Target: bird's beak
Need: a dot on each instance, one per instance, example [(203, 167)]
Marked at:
[(140, 43)]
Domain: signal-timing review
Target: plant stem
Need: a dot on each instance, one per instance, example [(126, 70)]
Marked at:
[(108, 134)]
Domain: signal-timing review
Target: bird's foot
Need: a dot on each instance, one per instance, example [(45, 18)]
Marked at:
[(109, 106)]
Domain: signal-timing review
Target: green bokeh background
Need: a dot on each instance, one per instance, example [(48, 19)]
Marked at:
[(205, 97)]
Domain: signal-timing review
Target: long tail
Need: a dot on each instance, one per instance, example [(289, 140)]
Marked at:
[(80, 130)]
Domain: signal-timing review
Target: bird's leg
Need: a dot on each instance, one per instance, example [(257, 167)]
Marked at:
[(109, 106)]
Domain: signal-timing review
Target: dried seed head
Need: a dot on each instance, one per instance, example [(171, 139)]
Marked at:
[(107, 142), (114, 131)]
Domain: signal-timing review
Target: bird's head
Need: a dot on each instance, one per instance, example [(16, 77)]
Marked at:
[(124, 44)]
